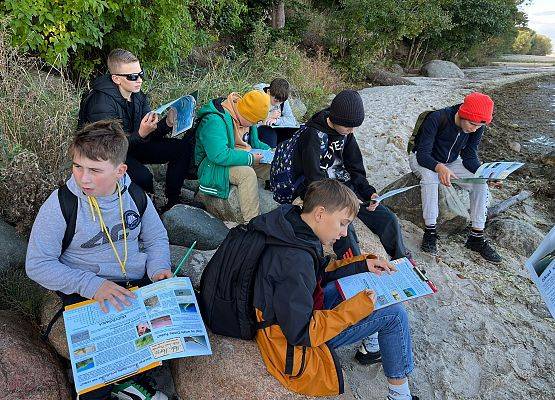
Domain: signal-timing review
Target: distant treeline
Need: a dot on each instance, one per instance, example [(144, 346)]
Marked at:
[(356, 34)]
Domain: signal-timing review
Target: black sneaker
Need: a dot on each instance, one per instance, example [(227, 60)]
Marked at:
[(366, 357), (482, 246), (429, 242)]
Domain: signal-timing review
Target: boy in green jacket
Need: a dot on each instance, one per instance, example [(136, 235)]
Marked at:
[(225, 138)]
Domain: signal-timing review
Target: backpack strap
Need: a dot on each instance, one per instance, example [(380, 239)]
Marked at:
[(139, 197), (68, 205)]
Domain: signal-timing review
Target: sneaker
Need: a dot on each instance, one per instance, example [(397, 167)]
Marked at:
[(366, 357), (131, 390), (482, 246), (429, 242)]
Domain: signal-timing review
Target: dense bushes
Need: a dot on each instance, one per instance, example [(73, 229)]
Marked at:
[(160, 32), (530, 42)]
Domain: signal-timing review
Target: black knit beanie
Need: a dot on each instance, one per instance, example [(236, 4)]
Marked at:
[(347, 109)]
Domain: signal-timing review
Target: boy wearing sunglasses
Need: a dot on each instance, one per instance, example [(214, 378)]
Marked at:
[(445, 148), (118, 95)]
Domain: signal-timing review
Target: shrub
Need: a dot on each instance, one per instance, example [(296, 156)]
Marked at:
[(36, 120), (540, 45)]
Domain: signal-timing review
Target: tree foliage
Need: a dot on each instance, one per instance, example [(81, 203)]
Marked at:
[(80, 32)]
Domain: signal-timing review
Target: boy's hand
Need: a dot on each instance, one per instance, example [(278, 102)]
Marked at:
[(275, 114), (171, 117), (148, 124), (495, 184), (371, 295), (162, 275), (378, 266), (445, 174), (112, 292), (269, 121), (373, 204), (257, 157)]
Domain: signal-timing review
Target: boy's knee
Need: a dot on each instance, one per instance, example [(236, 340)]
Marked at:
[(428, 177)]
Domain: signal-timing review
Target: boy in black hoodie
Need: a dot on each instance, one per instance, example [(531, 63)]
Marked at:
[(296, 298), (118, 95), (328, 148)]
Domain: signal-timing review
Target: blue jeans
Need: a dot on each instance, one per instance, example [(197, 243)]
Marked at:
[(392, 325)]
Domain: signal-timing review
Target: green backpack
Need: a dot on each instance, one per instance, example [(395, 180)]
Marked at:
[(413, 140)]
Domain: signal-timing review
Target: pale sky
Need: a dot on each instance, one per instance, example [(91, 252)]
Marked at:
[(541, 17)]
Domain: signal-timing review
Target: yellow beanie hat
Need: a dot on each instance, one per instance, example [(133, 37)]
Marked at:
[(254, 106)]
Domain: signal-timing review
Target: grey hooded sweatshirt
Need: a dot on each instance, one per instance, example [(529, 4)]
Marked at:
[(89, 259)]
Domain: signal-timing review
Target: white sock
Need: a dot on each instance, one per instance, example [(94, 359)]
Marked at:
[(370, 344), (399, 392)]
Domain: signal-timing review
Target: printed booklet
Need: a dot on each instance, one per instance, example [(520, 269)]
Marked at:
[(163, 322), (407, 283), (185, 113), (494, 171), (267, 155), (541, 266)]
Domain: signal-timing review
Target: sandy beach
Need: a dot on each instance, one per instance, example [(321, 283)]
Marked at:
[(487, 333)]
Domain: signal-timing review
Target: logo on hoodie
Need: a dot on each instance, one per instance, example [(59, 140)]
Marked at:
[(132, 219)]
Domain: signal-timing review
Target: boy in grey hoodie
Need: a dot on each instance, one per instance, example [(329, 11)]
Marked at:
[(103, 259)]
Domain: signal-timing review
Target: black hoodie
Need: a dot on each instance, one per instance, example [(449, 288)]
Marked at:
[(105, 101), (288, 282), (323, 153)]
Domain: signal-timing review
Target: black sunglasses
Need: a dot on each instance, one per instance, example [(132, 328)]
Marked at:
[(133, 77)]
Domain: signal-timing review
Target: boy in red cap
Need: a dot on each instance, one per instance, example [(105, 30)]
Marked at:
[(446, 147)]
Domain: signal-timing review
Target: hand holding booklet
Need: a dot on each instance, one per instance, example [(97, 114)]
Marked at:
[(407, 283), (494, 171), (162, 322), (183, 112), (267, 155)]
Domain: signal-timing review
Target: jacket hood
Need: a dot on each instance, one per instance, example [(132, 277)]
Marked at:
[(276, 225), (319, 122), (213, 106), (76, 190)]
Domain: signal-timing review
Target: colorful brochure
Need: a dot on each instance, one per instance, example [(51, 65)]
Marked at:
[(162, 323), (185, 113), (541, 266), (407, 283), (267, 155), (494, 171)]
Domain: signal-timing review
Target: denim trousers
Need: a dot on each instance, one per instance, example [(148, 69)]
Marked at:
[(392, 325)]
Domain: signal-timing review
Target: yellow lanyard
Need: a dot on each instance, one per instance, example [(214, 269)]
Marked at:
[(93, 203)]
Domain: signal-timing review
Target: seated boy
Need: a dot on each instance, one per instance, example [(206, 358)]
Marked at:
[(446, 147), (225, 136), (297, 298), (103, 259), (280, 114), (118, 95)]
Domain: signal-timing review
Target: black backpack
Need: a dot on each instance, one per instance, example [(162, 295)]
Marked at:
[(227, 282), (68, 204), (414, 138)]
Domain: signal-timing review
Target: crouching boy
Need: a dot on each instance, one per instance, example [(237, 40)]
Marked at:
[(295, 297), (102, 258)]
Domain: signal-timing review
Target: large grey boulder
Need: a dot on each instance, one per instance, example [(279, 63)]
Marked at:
[(516, 235), (194, 265), (185, 224), (298, 107), (441, 69), (12, 247), (29, 370), (453, 204), (234, 371), (229, 210), (381, 77)]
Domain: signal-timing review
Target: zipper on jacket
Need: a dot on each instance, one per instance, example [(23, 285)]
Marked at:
[(453, 145)]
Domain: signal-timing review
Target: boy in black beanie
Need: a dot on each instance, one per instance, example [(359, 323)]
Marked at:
[(327, 148)]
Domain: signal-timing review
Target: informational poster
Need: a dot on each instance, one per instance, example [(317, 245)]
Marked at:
[(163, 322), (407, 283), (541, 266)]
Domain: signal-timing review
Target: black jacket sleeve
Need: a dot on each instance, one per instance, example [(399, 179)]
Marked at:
[(429, 130), (309, 150), (352, 159)]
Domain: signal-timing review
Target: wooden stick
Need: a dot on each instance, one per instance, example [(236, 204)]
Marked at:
[(506, 204)]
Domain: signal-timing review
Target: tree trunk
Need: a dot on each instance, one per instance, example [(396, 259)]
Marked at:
[(278, 15)]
